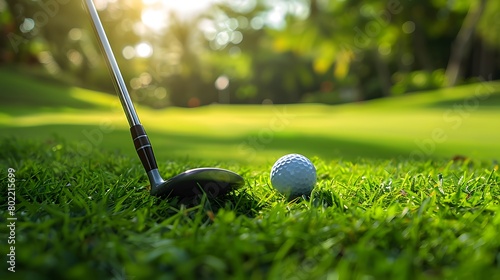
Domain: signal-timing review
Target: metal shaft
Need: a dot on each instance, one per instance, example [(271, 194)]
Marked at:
[(120, 85), (139, 136)]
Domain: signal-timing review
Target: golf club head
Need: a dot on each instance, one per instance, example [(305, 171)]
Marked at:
[(191, 183), (211, 181)]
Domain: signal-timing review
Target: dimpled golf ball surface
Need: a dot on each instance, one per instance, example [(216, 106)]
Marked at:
[(293, 175)]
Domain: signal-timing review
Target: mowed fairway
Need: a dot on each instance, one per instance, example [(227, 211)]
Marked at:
[(389, 202), (439, 124)]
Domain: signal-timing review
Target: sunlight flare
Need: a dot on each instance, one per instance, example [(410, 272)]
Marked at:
[(156, 12)]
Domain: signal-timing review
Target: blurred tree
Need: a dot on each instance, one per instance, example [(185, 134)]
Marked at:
[(283, 50), (243, 31), (56, 34), (484, 61), (463, 42), (121, 20), (18, 31), (386, 41), (187, 80)]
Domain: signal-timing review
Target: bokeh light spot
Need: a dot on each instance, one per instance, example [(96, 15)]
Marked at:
[(222, 38), (27, 25), (257, 23), (145, 78), (236, 37), (408, 27), (128, 52), (222, 82), (154, 19), (144, 50), (384, 49), (160, 93), (75, 34), (75, 57)]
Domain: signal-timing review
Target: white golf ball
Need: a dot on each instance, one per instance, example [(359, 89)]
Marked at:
[(293, 175)]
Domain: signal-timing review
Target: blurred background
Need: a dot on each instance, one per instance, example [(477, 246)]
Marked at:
[(193, 53), (380, 79)]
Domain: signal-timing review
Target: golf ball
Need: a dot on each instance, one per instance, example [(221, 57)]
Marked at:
[(293, 175)]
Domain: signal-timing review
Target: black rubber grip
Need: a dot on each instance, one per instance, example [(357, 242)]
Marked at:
[(143, 147)]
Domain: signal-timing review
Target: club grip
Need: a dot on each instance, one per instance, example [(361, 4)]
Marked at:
[(143, 147)]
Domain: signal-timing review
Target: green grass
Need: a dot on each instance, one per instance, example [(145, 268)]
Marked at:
[(436, 124), (92, 217), (389, 202)]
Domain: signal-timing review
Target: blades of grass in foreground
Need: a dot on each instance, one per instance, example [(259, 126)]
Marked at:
[(82, 217)]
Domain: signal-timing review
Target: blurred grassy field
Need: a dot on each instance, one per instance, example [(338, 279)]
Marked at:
[(84, 211), (444, 123)]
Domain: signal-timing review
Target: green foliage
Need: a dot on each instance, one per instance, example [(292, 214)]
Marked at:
[(93, 217), (418, 81), (490, 23), (281, 50)]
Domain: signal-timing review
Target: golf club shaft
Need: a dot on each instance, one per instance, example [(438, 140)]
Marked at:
[(121, 87), (141, 140)]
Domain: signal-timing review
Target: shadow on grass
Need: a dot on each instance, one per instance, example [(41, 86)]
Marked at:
[(243, 149), (239, 201), (486, 97), (490, 102), (247, 149), (28, 95)]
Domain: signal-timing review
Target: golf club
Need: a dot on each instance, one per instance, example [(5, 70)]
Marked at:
[(209, 180)]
